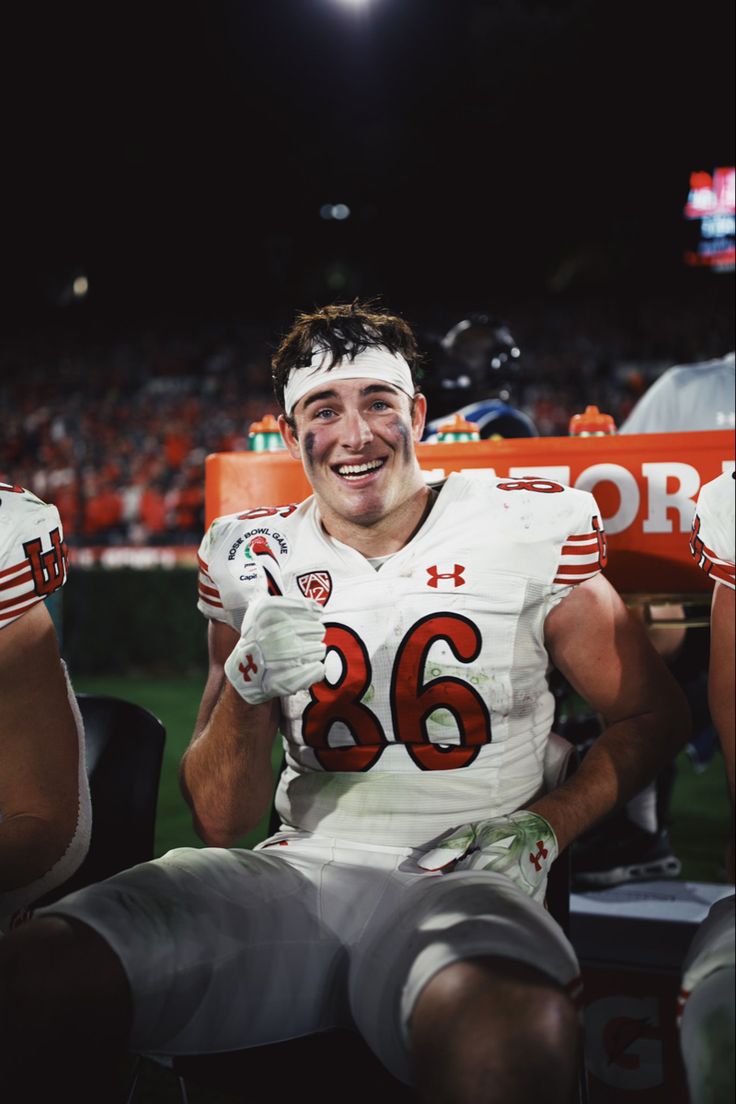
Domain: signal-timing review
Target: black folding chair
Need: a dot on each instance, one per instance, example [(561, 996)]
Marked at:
[(124, 750)]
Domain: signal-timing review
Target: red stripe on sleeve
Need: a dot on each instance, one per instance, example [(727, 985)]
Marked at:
[(10, 570), (203, 590), (19, 608), (10, 583)]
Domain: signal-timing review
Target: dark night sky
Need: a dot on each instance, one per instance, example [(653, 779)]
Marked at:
[(180, 153)]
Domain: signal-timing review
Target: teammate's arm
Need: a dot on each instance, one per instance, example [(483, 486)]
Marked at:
[(721, 674), (39, 752), (721, 697), (225, 774), (605, 655)]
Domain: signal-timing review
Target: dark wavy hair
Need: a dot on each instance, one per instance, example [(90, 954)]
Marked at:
[(345, 330)]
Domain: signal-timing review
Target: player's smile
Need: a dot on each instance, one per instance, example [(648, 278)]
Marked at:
[(358, 473)]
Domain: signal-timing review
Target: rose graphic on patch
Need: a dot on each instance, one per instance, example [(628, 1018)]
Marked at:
[(316, 584), (259, 546)]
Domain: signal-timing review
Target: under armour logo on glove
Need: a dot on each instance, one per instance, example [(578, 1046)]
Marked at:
[(246, 671), (542, 853), (522, 846), (281, 649)]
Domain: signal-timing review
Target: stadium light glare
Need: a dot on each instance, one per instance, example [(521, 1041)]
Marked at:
[(339, 211)]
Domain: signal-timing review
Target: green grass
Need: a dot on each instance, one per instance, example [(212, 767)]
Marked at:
[(700, 821)]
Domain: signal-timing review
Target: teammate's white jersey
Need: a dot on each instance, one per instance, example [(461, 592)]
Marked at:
[(33, 555), (713, 539), (435, 709), (33, 564)]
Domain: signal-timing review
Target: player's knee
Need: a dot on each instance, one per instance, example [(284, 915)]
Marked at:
[(494, 1026)]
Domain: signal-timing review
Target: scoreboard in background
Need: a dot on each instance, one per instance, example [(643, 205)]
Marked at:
[(645, 485), (711, 205)]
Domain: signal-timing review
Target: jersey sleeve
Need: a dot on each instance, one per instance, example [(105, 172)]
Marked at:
[(209, 599), (712, 537), (214, 589), (581, 551), (33, 553), (551, 534), (237, 559)]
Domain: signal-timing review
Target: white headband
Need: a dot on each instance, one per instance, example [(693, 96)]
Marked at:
[(373, 363)]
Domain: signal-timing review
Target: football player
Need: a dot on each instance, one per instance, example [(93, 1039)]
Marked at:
[(44, 798), (707, 1005), (398, 635), (635, 844)]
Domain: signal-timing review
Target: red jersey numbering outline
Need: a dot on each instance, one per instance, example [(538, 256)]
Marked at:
[(531, 483), (267, 511), (412, 701)]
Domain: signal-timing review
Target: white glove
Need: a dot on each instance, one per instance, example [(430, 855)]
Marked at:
[(281, 649), (521, 845)]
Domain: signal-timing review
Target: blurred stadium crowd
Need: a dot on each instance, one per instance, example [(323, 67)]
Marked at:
[(115, 430)]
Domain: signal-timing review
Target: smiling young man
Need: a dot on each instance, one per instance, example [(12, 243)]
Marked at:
[(360, 461), (398, 635)]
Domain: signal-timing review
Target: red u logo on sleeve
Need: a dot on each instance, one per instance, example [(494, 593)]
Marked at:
[(47, 568)]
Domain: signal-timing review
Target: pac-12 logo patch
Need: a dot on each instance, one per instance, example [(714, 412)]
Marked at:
[(316, 584)]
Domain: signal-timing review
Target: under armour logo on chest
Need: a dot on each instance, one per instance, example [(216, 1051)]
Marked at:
[(435, 575)]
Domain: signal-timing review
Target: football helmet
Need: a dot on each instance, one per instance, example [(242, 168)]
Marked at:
[(479, 347), (472, 369), (476, 359)]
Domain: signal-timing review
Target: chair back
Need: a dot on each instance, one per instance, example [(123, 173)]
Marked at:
[(124, 745)]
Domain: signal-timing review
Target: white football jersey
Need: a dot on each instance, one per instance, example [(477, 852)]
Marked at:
[(712, 540), (33, 564), (33, 553), (435, 709)]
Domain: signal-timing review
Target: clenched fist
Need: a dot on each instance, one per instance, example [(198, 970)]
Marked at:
[(281, 649)]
